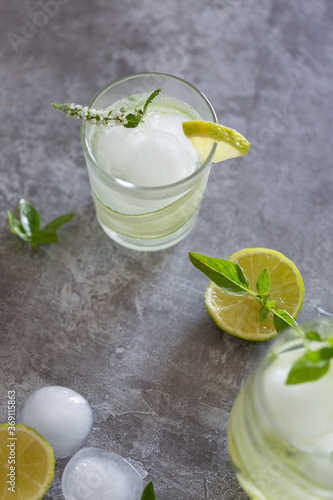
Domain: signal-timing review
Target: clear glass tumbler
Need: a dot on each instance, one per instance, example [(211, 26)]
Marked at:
[(280, 436), (147, 218)]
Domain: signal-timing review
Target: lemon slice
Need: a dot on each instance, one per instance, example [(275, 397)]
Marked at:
[(239, 315), (203, 135), (33, 460)]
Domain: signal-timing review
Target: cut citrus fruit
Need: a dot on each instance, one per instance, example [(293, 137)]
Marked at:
[(239, 315), (203, 135), (33, 461)]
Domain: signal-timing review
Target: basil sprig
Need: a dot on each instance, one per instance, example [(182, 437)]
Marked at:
[(229, 276), (28, 227), (148, 492)]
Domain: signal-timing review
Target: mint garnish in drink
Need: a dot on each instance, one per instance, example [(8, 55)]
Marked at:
[(28, 227), (314, 363), (107, 118)]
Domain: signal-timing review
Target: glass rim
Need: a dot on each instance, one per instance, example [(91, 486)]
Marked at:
[(127, 186)]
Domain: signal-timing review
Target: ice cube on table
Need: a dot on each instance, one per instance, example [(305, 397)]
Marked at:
[(96, 474), (62, 416)]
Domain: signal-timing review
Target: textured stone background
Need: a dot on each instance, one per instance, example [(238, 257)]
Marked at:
[(129, 331)]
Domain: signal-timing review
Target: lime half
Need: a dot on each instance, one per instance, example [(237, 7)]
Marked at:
[(239, 315), (33, 461)]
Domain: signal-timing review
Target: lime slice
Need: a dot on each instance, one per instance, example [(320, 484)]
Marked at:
[(33, 461), (239, 315), (203, 135)]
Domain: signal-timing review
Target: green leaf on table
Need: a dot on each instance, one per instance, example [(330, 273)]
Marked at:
[(44, 236), (308, 368), (28, 226), (58, 222), (282, 319), (17, 227), (263, 282), (227, 274), (29, 217), (148, 492)]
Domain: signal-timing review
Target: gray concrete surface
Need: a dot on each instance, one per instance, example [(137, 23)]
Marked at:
[(129, 331)]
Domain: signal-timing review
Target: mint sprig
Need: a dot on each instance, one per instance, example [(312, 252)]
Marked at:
[(314, 363), (28, 227), (107, 118), (229, 276), (148, 492)]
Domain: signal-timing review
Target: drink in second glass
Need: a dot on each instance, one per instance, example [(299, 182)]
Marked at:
[(147, 182), (280, 436)]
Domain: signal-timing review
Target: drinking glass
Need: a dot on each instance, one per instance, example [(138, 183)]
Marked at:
[(280, 436), (138, 217)]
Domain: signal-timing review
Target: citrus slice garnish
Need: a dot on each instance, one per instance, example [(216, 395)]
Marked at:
[(33, 461), (203, 135), (239, 315)]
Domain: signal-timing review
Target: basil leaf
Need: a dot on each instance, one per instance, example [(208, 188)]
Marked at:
[(29, 217), (16, 227), (148, 492), (282, 320), (59, 221), (44, 236), (325, 352), (226, 274), (263, 282), (306, 369), (263, 313), (313, 335)]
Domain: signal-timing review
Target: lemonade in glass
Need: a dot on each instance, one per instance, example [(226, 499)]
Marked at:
[(147, 182)]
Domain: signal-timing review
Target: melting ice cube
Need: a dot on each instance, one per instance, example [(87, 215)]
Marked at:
[(62, 416), (97, 474)]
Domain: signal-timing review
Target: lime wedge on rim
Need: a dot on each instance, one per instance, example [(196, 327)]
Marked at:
[(239, 315), (203, 135), (33, 463)]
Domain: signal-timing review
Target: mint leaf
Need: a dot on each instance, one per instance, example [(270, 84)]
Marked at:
[(307, 369), (132, 120), (263, 282), (29, 217), (226, 274), (263, 313), (58, 222), (148, 492), (16, 227), (313, 335), (282, 320), (150, 98)]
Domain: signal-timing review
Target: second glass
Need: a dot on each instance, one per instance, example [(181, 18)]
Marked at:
[(138, 216), (280, 436)]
